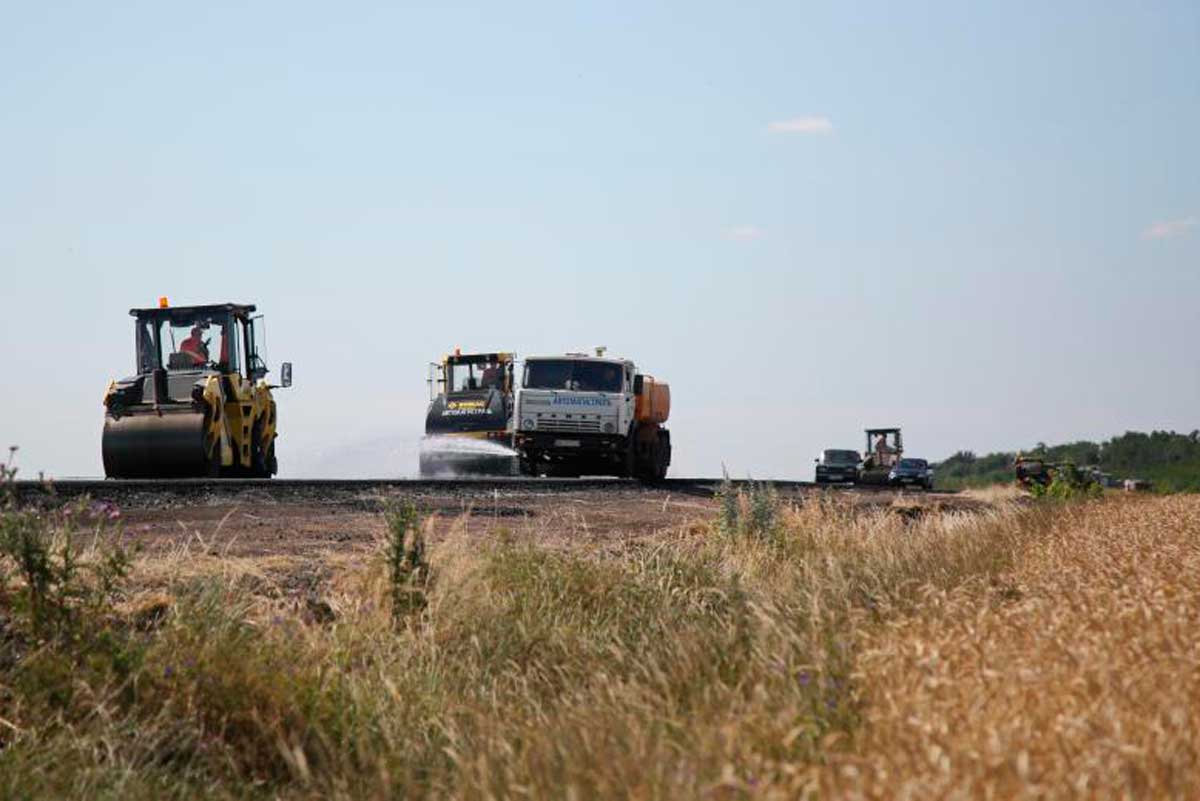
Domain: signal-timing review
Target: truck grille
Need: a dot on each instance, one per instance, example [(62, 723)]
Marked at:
[(553, 424)]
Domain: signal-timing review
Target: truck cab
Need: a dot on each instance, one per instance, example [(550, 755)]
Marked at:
[(580, 414)]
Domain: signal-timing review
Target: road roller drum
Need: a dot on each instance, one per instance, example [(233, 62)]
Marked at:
[(158, 445)]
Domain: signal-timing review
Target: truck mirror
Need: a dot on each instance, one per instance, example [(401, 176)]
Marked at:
[(285, 374), (638, 384)]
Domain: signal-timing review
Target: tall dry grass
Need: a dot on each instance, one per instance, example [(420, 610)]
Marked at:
[(739, 659), (1076, 675), (995, 493)]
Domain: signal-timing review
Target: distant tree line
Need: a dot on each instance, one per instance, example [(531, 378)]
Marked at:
[(1171, 461)]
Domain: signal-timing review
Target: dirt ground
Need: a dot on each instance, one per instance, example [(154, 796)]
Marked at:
[(293, 544)]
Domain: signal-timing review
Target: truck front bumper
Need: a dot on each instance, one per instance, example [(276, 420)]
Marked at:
[(570, 444)]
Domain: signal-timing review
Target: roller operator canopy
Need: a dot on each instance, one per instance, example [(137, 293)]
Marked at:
[(242, 310)]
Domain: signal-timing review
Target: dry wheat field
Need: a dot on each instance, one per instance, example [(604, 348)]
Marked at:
[(758, 648)]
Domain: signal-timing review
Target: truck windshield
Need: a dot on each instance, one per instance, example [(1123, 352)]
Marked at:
[(840, 457), (572, 374)]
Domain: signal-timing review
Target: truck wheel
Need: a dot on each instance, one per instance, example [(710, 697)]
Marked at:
[(628, 466), (662, 455), (651, 465), (644, 467)]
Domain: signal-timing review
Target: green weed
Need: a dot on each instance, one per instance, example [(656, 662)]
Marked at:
[(407, 564)]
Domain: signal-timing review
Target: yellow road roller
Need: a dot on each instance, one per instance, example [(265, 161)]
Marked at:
[(199, 404)]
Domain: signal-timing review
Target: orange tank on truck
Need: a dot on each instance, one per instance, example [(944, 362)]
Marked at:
[(654, 402)]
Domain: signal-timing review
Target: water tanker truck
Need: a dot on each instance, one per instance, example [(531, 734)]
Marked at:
[(581, 414)]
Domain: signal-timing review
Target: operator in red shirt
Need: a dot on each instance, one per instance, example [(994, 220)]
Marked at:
[(194, 347)]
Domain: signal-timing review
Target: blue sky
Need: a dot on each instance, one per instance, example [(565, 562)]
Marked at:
[(978, 221)]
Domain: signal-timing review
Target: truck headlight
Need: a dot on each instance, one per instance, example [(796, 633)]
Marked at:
[(609, 428), (527, 423)]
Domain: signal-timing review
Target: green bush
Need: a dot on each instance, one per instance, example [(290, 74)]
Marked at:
[(1167, 459), (751, 512), (1068, 484), (55, 580), (408, 568)]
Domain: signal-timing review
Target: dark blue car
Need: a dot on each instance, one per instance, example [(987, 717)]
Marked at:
[(911, 472)]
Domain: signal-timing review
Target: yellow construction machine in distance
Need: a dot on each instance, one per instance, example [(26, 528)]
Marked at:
[(468, 424), (199, 404)]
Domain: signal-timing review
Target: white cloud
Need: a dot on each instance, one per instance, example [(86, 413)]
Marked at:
[(802, 125), (745, 233), (1169, 228)]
